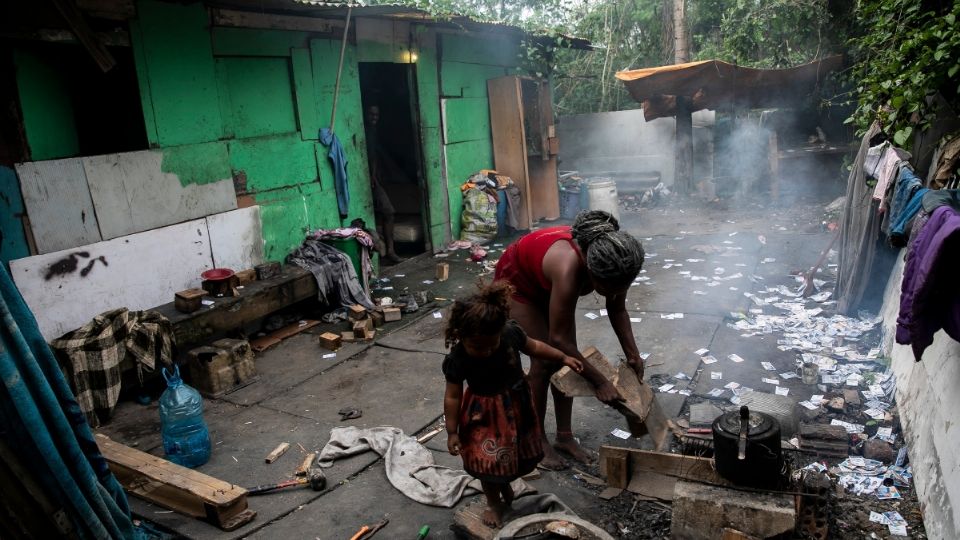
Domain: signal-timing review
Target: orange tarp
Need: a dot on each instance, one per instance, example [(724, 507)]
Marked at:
[(712, 83)]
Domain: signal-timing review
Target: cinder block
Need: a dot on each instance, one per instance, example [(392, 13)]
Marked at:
[(702, 511), (780, 407), (224, 366)]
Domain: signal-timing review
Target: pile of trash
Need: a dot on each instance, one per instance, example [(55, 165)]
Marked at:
[(654, 196)]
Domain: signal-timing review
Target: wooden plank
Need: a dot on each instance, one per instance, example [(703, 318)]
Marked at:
[(125, 189), (57, 199), (277, 452), (572, 384), (137, 272), (307, 464), (249, 19), (307, 115), (509, 146), (276, 337), (544, 191), (236, 238), (643, 461), (78, 24), (175, 487), (256, 300), (643, 412), (614, 465)]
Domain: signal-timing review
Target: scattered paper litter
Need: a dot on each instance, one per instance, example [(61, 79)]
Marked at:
[(620, 433), (666, 387), (671, 316), (330, 355), (709, 359), (775, 382), (789, 375), (591, 315), (735, 358), (809, 405), (716, 392), (603, 313), (732, 385), (701, 352), (437, 315), (716, 375), (768, 366), (781, 391), (635, 319)]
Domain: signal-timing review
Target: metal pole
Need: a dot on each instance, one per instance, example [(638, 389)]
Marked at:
[(336, 89)]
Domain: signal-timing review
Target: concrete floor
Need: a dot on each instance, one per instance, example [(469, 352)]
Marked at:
[(299, 392)]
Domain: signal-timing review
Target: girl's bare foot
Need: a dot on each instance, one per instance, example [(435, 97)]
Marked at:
[(568, 445), (493, 516), (552, 461)]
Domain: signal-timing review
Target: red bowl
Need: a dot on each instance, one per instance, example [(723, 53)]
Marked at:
[(217, 274)]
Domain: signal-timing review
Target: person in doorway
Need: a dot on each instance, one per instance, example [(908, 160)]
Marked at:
[(379, 164), (492, 424), (550, 269)]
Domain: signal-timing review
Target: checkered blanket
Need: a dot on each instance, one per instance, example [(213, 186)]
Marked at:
[(91, 356)]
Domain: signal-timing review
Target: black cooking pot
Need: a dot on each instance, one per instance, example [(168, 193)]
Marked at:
[(747, 448)]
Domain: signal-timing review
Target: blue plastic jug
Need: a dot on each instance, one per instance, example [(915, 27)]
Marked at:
[(186, 440)]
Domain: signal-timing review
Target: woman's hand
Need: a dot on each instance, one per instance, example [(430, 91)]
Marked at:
[(573, 363), (637, 365), (608, 393), (453, 444)]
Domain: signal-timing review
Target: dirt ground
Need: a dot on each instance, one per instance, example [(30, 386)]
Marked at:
[(396, 381)]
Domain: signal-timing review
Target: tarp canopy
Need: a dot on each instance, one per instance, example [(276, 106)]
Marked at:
[(713, 84)]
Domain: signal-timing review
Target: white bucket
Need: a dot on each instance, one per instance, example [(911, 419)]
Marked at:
[(602, 195)]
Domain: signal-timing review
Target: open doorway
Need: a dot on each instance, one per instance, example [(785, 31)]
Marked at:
[(394, 155)]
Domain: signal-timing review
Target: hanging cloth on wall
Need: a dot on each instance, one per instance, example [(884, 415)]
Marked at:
[(338, 159), (43, 426), (859, 230), (92, 354), (929, 298)]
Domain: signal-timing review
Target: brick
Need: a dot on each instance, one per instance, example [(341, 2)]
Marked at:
[(189, 300), (391, 314), (247, 276), (701, 511), (360, 328), (443, 271)]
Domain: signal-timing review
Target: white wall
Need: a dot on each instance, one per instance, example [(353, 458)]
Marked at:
[(623, 141), (139, 271), (928, 397)]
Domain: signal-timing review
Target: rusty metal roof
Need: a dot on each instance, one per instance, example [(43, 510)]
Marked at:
[(713, 83)]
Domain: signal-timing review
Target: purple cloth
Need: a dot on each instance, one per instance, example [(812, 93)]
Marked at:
[(929, 298)]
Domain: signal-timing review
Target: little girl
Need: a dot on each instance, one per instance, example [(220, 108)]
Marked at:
[(492, 424)]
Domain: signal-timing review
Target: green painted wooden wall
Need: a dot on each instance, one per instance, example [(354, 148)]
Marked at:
[(46, 107), (467, 63), (249, 103)]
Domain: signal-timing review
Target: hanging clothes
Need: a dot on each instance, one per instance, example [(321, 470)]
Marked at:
[(333, 270), (42, 424), (930, 293), (338, 159), (859, 233), (904, 204), (91, 356), (886, 171)]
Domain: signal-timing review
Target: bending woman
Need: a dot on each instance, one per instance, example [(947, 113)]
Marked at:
[(550, 269)]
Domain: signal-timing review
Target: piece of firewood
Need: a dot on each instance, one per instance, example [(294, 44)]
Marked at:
[(277, 452)]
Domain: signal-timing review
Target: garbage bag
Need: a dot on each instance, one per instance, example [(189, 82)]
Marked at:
[(478, 223)]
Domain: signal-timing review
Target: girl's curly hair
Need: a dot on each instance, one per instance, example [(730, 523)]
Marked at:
[(483, 313)]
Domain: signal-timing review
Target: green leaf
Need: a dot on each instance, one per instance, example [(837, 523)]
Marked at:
[(902, 136), (953, 70)]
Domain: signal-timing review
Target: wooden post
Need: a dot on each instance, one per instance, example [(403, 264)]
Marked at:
[(683, 151), (774, 157)]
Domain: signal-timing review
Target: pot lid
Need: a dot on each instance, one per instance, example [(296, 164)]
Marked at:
[(759, 423)]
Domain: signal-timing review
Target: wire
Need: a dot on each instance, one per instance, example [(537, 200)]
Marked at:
[(404, 349)]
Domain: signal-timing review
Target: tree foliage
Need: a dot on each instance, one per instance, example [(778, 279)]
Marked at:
[(908, 52)]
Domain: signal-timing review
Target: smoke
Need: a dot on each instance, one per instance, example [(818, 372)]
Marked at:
[(733, 156)]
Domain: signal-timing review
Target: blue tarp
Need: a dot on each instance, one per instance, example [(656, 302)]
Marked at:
[(338, 159), (42, 422)]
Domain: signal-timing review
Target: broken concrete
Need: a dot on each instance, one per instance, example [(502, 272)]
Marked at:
[(701, 512)]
